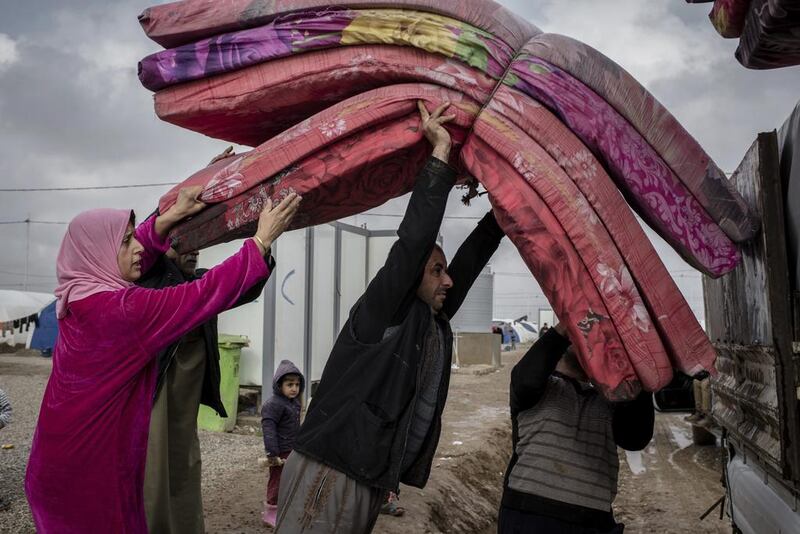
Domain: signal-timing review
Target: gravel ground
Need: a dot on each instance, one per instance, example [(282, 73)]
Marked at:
[(23, 378), (663, 489)]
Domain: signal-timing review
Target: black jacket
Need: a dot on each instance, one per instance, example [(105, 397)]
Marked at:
[(164, 273), (632, 425), (359, 418)]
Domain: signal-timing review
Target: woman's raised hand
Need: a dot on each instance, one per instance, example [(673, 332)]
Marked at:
[(187, 204), (275, 219)]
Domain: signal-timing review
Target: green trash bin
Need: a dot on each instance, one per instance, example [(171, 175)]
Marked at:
[(230, 350)]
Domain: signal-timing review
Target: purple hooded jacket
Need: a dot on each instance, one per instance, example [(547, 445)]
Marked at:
[(280, 416)]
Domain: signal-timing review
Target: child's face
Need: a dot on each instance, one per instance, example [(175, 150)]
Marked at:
[(290, 387)]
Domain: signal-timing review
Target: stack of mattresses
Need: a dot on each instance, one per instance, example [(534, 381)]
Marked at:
[(768, 30), (559, 135)]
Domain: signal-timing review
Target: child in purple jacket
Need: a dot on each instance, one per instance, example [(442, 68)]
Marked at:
[(280, 421)]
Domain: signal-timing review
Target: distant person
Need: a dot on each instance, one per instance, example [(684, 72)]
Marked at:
[(280, 422), (5, 420), (87, 460), (562, 476), (375, 418), (510, 335), (544, 330)]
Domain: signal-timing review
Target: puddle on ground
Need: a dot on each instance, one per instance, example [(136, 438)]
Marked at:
[(681, 436), (635, 462)]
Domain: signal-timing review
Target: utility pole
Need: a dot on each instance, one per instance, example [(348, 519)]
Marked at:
[(27, 248)]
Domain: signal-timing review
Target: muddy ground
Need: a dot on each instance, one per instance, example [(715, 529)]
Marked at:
[(662, 489)]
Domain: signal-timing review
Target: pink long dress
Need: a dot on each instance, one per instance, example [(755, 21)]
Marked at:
[(86, 467)]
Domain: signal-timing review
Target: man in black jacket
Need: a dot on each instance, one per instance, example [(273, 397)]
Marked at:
[(375, 418), (563, 471), (188, 375)]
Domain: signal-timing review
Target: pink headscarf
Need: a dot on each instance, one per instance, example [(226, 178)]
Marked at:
[(87, 260)]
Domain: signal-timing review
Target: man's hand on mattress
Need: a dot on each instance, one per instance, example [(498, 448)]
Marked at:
[(187, 204), (434, 131), (225, 154)]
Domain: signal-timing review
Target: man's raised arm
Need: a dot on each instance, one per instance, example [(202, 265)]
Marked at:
[(394, 286)]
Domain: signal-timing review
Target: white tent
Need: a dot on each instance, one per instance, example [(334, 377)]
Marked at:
[(531, 328), (523, 334), (19, 304)]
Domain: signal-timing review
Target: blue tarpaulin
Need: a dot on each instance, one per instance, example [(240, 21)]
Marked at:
[(44, 337)]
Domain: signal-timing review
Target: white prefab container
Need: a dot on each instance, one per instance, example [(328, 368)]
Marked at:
[(546, 316), (475, 314), (321, 272)]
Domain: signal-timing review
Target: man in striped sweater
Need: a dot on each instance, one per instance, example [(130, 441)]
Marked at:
[(5, 419), (562, 477)]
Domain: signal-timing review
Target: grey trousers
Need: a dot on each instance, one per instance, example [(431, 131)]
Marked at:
[(172, 496), (317, 499)]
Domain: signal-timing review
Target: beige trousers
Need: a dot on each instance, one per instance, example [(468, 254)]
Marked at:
[(317, 499)]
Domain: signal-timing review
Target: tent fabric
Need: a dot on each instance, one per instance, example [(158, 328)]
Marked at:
[(770, 38), (728, 17), (179, 23), (18, 304), (44, 337), (561, 138), (523, 335)]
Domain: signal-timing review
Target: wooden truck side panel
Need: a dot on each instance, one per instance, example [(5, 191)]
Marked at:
[(749, 318)]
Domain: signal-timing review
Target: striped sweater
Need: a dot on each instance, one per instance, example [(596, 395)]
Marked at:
[(564, 463), (5, 409), (566, 448)]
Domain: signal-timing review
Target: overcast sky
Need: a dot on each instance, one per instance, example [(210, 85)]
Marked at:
[(72, 113)]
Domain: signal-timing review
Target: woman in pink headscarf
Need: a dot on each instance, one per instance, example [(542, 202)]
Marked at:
[(86, 466)]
